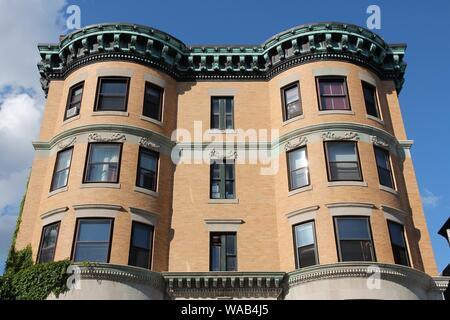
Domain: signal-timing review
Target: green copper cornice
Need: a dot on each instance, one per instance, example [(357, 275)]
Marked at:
[(154, 48)]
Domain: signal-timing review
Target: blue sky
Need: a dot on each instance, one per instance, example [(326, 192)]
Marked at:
[(424, 99)]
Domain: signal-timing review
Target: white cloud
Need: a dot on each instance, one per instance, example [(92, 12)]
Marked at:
[(24, 24), (19, 125), (430, 199)]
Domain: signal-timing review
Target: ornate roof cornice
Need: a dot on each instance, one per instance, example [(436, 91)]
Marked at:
[(148, 46)]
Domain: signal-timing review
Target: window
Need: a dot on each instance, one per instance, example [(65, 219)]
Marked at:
[(62, 169), (93, 240), (384, 167), (141, 245), (370, 99), (398, 242), (222, 113), (343, 162), (298, 168), (305, 244), (103, 162), (292, 106), (74, 101), (332, 93), (47, 246), (354, 239), (147, 169), (153, 101), (112, 94), (222, 179), (223, 252)]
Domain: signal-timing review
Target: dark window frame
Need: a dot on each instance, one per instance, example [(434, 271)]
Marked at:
[(222, 114), (222, 179), (99, 86), (76, 234), (69, 99), (355, 143), (365, 84), (58, 223), (391, 171), (408, 259), (338, 241), (161, 99), (150, 250), (289, 168), (316, 251), (68, 169), (88, 153), (346, 92), (223, 263), (283, 100), (148, 151)]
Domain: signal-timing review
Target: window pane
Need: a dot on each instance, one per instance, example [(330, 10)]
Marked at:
[(231, 244), (140, 257), (385, 177), (291, 95), (152, 102), (397, 235), (104, 153), (344, 171), (353, 228), (215, 189), (297, 159), (93, 252), (400, 255), (229, 106), (102, 172), (63, 160), (382, 158), (293, 109), (229, 189), (299, 178), (304, 234), (215, 106), (111, 103), (306, 256), (148, 161), (231, 264), (215, 258), (369, 99), (341, 151), (147, 179), (115, 87), (229, 121), (215, 171), (49, 238), (94, 230), (356, 250), (229, 171), (60, 179), (142, 236)]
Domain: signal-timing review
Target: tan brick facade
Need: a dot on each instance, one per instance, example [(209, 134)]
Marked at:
[(265, 238)]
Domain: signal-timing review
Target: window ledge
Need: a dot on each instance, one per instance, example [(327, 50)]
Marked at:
[(387, 189), (71, 119), (380, 121), (223, 201), (111, 113), (347, 183), (52, 193), (101, 185), (293, 120), (299, 190), (325, 112), (145, 118), (146, 191)]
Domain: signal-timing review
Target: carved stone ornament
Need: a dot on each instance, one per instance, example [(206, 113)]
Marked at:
[(379, 142), (66, 144), (116, 137), (295, 143), (345, 136), (223, 153), (147, 143)]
